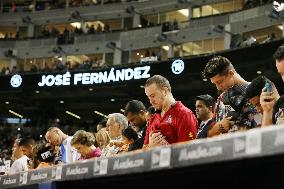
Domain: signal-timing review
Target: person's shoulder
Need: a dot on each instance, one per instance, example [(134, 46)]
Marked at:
[(23, 158), (181, 108), (279, 103), (280, 100)]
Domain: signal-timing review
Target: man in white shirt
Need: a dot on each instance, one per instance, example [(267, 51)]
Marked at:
[(56, 137), (23, 163), (20, 160)]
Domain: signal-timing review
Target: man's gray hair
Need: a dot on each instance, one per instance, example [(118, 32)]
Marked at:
[(119, 118)]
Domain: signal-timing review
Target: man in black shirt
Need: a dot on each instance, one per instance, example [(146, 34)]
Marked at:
[(135, 112)]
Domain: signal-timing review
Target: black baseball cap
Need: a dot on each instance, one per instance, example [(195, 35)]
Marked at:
[(207, 99), (46, 154)]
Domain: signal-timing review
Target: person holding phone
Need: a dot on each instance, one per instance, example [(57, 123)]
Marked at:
[(272, 105)]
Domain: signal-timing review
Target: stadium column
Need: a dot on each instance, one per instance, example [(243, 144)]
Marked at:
[(13, 62), (283, 30), (117, 56), (34, 6), (67, 4), (31, 30), (64, 59), (130, 56), (181, 50), (189, 13), (136, 20), (171, 51), (227, 36)]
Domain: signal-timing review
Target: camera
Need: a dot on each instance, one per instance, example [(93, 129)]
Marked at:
[(235, 101)]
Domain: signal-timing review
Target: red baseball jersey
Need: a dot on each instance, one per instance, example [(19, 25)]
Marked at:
[(178, 124)]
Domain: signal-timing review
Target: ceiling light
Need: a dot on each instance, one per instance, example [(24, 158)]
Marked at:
[(259, 72), (40, 136), (36, 92), (280, 27), (61, 102), (99, 113), (19, 129), (112, 99), (205, 79), (184, 12), (140, 26), (16, 114), (166, 48), (138, 54), (7, 102), (72, 114), (141, 56), (141, 86), (91, 89), (76, 24)]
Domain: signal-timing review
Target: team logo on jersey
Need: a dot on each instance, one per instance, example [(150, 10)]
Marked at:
[(190, 135), (170, 119)]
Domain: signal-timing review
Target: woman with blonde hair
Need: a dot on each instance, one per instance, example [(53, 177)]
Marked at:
[(84, 143), (103, 138)]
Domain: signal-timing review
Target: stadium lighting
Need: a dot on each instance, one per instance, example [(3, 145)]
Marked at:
[(16, 114), (99, 113), (72, 114)]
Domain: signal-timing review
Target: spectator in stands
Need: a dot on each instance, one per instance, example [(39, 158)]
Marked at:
[(107, 28), (173, 122), (253, 93), (135, 111), (66, 35), (99, 28), (92, 29), (56, 137), (271, 103), (129, 136), (204, 107), (44, 156), (26, 145), (251, 40), (149, 113), (102, 138), (84, 143), (20, 160), (14, 7), (101, 124), (269, 38), (7, 71), (175, 24), (279, 60), (116, 123), (222, 73)]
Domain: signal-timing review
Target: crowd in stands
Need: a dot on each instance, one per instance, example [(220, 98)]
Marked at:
[(241, 106), (29, 6)]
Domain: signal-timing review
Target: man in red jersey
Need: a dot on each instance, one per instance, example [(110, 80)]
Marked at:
[(172, 122)]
